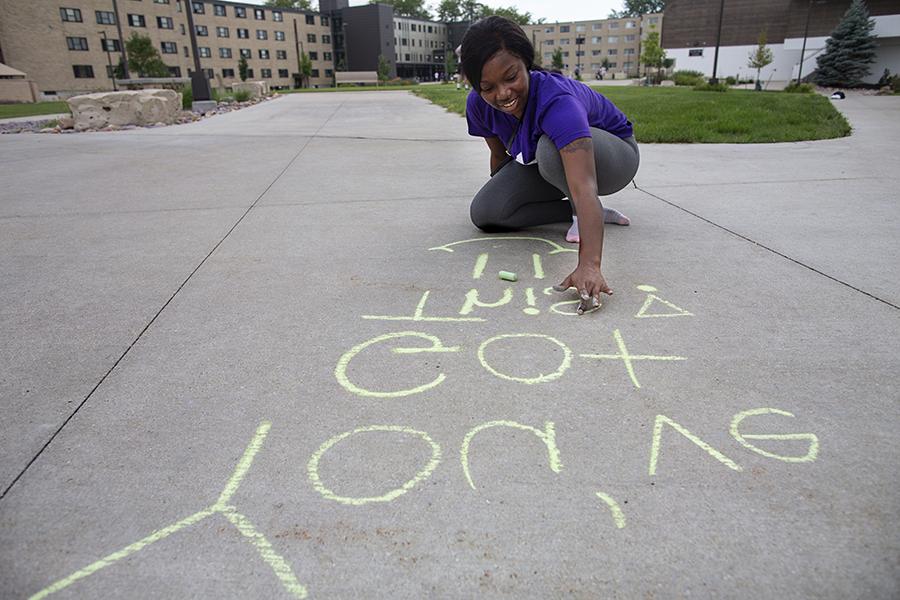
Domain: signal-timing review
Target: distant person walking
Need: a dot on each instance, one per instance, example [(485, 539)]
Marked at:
[(550, 138)]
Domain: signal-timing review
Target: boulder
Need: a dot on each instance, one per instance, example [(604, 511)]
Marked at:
[(257, 89), (134, 107), (66, 123)]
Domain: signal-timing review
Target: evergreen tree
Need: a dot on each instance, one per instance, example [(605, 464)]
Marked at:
[(384, 68), (243, 68), (144, 58), (557, 63), (849, 50), (299, 4), (304, 64), (761, 57), (636, 8)]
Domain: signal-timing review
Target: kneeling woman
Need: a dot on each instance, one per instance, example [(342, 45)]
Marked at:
[(550, 138)]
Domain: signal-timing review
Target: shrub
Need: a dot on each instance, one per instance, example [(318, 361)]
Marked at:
[(801, 88), (688, 77), (241, 95), (730, 80), (711, 87), (187, 97)]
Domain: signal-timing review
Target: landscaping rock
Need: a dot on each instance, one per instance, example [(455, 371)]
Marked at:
[(136, 107), (66, 123)]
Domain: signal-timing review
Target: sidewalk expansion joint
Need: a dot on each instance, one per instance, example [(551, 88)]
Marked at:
[(164, 306), (764, 247)]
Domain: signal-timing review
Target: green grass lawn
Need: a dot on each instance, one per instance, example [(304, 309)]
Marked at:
[(681, 115), (38, 108)]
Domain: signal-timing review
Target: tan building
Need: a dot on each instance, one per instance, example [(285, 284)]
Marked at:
[(73, 46), (613, 44)]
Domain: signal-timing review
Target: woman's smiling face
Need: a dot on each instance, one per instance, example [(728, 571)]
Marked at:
[(504, 83)]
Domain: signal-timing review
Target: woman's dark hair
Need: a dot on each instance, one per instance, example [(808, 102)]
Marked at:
[(485, 38)]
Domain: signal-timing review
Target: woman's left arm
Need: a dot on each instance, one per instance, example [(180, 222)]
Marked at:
[(581, 176)]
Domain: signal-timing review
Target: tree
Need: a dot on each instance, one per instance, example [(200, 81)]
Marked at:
[(849, 50), (652, 54), (407, 8), (144, 58), (449, 11), (557, 63), (299, 4), (636, 8), (761, 57), (509, 12), (384, 68), (304, 65), (243, 68)]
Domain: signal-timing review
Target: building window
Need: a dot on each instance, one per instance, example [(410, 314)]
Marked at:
[(243, 34), (329, 73), (169, 47), (281, 54), (654, 20), (324, 21), (614, 25), (259, 14), (613, 39), (596, 39), (71, 14), (249, 73), (222, 32), (695, 52), (201, 30), (105, 17), (277, 15), (564, 42), (613, 65), (564, 29), (110, 45), (313, 55), (311, 38), (262, 34), (283, 73), (265, 73), (165, 23), (549, 29), (579, 28), (186, 54), (326, 56), (83, 71), (548, 42), (228, 73), (404, 42), (279, 36), (315, 73), (627, 65), (630, 25), (628, 51), (612, 52), (596, 26), (219, 10), (548, 55), (264, 54), (224, 52), (181, 26), (240, 12), (596, 52), (326, 39), (77, 43), (198, 7), (310, 20), (163, 2), (246, 53), (137, 21), (630, 38), (205, 52)]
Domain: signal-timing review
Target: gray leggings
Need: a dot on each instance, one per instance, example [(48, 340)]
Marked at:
[(520, 195)]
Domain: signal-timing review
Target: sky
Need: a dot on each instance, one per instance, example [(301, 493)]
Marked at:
[(561, 10)]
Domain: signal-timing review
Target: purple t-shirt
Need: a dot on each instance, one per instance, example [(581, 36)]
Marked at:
[(560, 107)]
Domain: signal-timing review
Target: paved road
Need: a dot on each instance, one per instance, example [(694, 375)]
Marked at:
[(255, 356)]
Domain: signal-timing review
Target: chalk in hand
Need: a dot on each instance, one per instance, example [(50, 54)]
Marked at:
[(507, 276)]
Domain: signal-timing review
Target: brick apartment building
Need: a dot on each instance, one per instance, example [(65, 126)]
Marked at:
[(618, 41), (67, 46)]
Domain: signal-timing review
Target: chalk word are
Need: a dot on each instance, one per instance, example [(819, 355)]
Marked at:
[(438, 347)]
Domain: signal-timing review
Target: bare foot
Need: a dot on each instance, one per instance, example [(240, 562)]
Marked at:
[(610, 215)]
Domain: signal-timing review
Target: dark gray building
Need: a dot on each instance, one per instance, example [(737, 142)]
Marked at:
[(361, 34)]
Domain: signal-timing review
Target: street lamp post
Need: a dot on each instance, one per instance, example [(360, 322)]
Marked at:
[(713, 80), (805, 34), (199, 83), (578, 42), (112, 73)]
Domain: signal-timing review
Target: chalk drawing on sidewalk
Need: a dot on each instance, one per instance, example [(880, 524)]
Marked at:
[(653, 299), (657, 440), (557, 249), (262, 545), (312, 466), (616, 510), (811, 454), (629, 358), (548, 436)]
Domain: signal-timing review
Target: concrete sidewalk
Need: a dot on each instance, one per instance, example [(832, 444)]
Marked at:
[(254, 356)]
